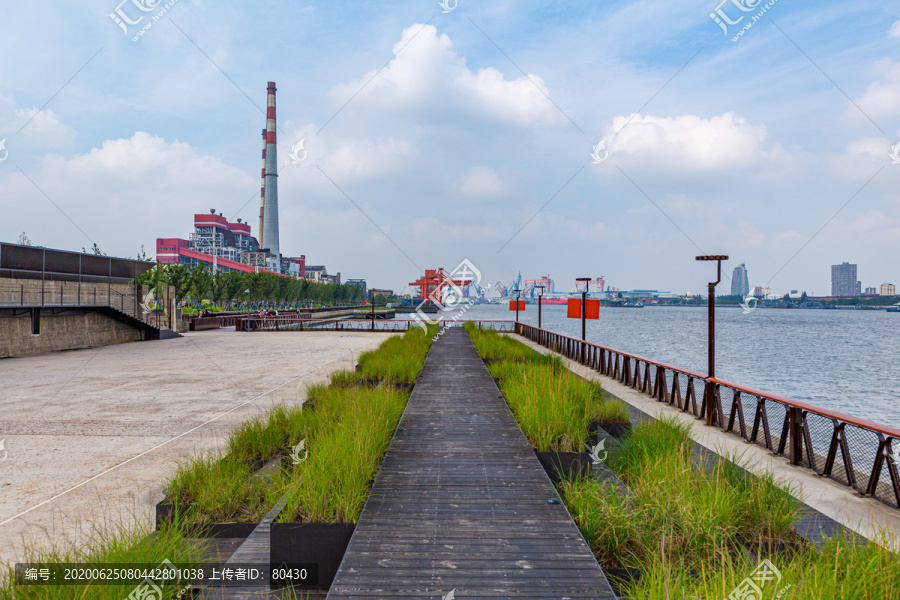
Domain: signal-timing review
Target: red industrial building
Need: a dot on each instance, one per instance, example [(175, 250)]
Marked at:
[(224, 246)]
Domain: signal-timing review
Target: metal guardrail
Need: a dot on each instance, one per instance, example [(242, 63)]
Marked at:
[(852, 451), (292, 323), (66, 294)]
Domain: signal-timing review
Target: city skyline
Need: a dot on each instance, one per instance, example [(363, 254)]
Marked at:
[(454, 149)]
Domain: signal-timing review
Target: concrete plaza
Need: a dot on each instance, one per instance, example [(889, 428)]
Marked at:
[(91, 435)]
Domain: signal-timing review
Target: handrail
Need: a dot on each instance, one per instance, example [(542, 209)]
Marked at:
[(825, 412), (850, 450), (696, 374), (293, 323)]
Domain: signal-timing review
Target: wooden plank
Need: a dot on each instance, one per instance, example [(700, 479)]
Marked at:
[(461, 501), (254, 550)]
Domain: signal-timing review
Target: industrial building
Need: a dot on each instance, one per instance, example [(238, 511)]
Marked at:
[(224, 246), (227, 246)]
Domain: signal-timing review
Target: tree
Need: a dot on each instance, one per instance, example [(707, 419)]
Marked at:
[(200, 282), (24, 240), (179, 278), (803, 297), (142, 255), (218, 287)]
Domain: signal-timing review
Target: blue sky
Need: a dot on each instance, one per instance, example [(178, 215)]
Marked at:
[(746, 148)]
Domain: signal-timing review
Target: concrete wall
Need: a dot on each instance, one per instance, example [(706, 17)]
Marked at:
[(28, 292), (75, 328)]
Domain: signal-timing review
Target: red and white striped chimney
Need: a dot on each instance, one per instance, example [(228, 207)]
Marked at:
[(262, 187), (270, 195)]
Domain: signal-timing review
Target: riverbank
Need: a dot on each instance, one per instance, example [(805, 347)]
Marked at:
[(838, 359)]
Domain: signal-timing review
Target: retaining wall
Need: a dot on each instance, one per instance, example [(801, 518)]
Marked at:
[(69, 329)]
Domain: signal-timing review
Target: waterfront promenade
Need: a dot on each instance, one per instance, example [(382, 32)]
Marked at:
[(72, 419), (865, 516), (461, 502)]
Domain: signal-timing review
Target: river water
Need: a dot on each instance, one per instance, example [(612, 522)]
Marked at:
[(846, 360)]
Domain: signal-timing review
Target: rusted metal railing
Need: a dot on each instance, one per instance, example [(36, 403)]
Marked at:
[(852, 451), (299, 323)]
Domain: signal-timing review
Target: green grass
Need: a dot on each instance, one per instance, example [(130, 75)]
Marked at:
[(220, 488), (332, 484), (109, 545), (399, 359), (679, 525), (346, 378), (553, 406), (676, 508)]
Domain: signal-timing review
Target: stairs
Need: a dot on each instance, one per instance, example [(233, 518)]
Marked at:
[(151, 332)]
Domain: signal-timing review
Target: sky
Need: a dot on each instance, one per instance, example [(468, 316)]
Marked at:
[(565, 138)]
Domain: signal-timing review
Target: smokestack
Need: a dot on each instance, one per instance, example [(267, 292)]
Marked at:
[(270, 195), (262, 189)]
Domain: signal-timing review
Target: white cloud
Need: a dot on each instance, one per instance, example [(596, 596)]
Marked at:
[(895, 29), (863, 157), (31, 128), (876, 148), (482, 182), (882, 97), (692, 143), (428, 76), (123, 194), (358, 160)]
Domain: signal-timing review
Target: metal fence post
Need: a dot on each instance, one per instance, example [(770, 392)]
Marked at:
[(796, 447)]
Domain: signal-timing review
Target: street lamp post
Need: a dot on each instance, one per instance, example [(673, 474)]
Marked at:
[(584, 294), (711, 335), (247, 291), (517, 290), (540, 295)]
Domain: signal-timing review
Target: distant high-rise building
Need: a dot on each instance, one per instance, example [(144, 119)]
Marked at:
[(870, 291), (843, 280), (360, 283), (888, 289), (740, 285)]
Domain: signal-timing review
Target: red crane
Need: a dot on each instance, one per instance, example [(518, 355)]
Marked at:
[(432, 285)]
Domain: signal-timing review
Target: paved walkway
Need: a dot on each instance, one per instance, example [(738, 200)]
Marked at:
[(72, 419), (461, 502)]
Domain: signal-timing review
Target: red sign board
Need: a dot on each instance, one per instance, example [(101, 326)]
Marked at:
[(592, 309), (512, 305)]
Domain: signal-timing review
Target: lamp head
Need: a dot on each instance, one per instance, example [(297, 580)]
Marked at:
[(711, 257)]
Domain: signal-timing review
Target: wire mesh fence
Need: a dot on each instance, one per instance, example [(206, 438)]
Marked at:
[(852, 451)]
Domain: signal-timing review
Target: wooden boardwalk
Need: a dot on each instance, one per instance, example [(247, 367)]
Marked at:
[(461, 502), (254, 551)]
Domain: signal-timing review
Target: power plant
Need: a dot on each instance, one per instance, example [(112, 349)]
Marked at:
[(230, 246), (268, 214)]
